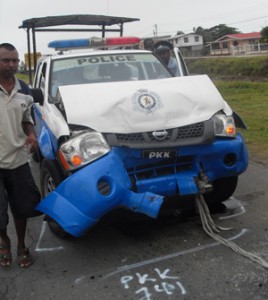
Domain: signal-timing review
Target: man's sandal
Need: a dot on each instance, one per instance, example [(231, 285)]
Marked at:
[(25, 259), (5, 256)]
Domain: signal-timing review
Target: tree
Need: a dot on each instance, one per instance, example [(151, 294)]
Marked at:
[(179, 32), (215, 32), (264, 35)]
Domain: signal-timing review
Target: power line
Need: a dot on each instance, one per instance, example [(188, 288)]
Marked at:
[(248, 20)]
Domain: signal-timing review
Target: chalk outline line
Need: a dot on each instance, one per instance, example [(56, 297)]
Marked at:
[(37, 248), (163, 258)]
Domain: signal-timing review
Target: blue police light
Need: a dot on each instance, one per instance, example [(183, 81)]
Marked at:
[(67, 44), (93, 42)]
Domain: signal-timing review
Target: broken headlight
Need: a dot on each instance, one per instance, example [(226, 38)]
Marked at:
[(82, 150), (224, 125)]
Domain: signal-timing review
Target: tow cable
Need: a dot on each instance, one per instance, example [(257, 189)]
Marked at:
[(208, 224), (213, 231)]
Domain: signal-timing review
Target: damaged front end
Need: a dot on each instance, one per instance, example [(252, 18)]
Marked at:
[(80, 200), (121, 177)]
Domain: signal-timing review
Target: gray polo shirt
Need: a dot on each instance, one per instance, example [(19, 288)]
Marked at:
[(14, 109)]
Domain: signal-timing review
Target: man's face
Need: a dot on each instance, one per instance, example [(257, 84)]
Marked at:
[(149, 46), (164, 56), (9, 62)]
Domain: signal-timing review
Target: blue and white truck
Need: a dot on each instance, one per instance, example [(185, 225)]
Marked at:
[(116, 129)]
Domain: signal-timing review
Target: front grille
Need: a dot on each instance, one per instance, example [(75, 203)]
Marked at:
[(130, 138), (191, 131), (161, 168), (197, 133), (185, 132)]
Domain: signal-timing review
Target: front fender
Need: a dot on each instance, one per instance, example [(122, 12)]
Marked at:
[(78, 202), (45, 144)]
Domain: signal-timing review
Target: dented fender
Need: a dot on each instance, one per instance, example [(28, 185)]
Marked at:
[(78, 202)]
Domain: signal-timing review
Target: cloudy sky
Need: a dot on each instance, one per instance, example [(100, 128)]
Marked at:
[(161, 16)]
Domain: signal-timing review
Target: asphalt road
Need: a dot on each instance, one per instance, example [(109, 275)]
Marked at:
[(129, 256)]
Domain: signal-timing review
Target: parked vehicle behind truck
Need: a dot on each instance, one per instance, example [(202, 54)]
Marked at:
[(116, 128)]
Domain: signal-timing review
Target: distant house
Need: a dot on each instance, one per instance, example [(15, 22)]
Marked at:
[(238, 43), (188, 43)]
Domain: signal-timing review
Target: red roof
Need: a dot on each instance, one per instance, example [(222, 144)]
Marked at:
[(241, 36), (251, 35)]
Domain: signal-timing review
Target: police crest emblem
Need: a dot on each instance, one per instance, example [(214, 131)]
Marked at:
[(146, 101)]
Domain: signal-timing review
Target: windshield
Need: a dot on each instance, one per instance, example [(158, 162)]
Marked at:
[(105, 68)]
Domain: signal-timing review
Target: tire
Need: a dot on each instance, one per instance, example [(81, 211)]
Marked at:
[(50, 177), (222, 190)]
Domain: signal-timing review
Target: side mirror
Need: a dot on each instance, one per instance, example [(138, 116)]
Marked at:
[(38, 96), (239, 123)]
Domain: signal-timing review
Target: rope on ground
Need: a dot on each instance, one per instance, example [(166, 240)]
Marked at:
[(212, 230)]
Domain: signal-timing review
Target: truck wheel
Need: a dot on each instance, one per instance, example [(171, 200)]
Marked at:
[(50, 177), (223, 188)]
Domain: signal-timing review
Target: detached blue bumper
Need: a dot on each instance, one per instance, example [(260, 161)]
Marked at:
[(79, 201)]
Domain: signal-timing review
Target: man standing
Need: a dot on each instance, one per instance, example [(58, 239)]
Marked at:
[(17, 187)]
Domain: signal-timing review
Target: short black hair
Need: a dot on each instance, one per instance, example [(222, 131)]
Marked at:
[(148, 41), (8, 46)]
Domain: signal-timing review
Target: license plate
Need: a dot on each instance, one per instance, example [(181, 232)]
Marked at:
[(164, 154)]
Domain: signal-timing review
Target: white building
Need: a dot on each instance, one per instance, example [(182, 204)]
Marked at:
[(195, 41), (189, 43)]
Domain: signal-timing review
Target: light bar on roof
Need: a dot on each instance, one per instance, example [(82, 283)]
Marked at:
[(94, 42)]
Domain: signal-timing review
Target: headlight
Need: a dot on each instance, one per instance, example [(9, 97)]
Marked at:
[(82, 150), (224, 125)]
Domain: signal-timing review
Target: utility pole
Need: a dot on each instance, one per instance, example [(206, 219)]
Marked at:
[(155, 30)]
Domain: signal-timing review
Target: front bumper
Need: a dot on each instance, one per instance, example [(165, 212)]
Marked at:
[(138, 184)]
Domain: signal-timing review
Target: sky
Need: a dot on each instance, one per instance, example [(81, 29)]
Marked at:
[(156, 17)]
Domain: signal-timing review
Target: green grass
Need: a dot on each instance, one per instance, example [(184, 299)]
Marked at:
[(250, 101), (243, 82), (24, 77), (235, 67)]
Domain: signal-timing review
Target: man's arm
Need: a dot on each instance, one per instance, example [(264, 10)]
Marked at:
[(31, 141)]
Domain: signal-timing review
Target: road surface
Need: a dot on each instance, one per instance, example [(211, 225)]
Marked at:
[(129, 256)]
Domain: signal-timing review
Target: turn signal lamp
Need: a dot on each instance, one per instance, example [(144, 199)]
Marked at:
[(76, 160), (93, 42), (224, 125), (230, 130)]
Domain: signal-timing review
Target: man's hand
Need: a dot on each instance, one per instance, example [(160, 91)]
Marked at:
[(31, 143)]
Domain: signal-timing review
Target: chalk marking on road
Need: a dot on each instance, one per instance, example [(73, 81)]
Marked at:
[(230, 206), (163, 283), (169, 256), (243, 210), (37, 248), (79, 279), (183, 291), (243, 231)]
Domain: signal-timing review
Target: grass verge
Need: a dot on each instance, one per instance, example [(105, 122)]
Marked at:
[(250, 101), (231, 67)]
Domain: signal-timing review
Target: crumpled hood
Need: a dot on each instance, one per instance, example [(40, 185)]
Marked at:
[(138, 106)]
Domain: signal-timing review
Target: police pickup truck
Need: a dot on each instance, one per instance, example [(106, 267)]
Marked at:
[(116, 129)]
